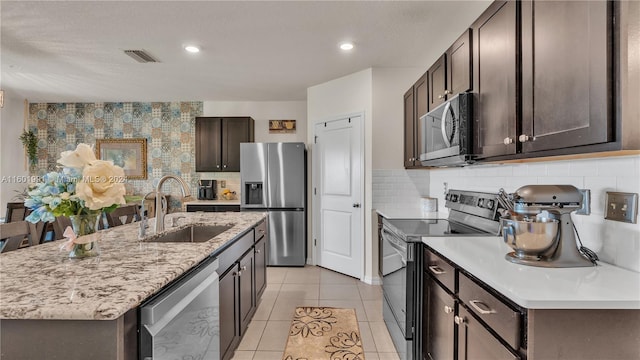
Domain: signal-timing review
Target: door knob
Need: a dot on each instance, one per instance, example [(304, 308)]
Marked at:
[(356, 205)]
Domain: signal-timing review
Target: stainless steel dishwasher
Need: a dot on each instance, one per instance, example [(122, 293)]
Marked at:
[(182, 322)]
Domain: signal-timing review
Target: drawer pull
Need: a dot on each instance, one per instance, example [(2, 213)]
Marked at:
[(448, 309), (437, 270), (481, 307), (459, 320)]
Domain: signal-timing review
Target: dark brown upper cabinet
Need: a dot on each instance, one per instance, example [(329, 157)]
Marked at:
[(459, 65), (495, 80), (567, 49), (415, 105), (437, 78), (409, 129), (218, 142)]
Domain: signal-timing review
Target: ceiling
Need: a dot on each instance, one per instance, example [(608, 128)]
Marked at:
[(67, 51)]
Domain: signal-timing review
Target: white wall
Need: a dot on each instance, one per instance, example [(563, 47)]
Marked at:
[(262, 112), (13, 154), (343, 96), (389, 86), (615, 242)]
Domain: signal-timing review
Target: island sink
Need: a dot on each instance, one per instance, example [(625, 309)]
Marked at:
[(192, 233)]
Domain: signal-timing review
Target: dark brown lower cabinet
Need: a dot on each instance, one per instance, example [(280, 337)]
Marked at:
[(245, 288), (228, 311), (476, 342), (439, 332), (243, 280), (260, 274)]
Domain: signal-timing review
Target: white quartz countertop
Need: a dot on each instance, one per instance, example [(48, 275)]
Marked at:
[(601, 287), (214, 202), (407, 212), (41, 282)]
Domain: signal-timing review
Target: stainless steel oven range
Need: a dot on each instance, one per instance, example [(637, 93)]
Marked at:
[(470, 213)]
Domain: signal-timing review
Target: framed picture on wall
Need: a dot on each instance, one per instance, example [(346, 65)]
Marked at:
[(129, 154), (282, 126)]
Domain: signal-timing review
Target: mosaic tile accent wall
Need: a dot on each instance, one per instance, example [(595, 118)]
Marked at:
[(169, 128)]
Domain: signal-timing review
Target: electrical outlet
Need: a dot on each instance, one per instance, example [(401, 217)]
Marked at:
[(223, 184), (621, 207)]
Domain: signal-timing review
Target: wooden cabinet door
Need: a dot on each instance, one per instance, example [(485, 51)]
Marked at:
[(246, 293), (459, 65), (476, 342), (260, 268), (495, 79), (438, 82), (566, 74), (229, 332), (438, 326), (421, 99), (409, 129), (235, 131), (208, 147)]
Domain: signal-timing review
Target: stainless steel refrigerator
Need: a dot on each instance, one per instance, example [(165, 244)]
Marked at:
[(273, 179)]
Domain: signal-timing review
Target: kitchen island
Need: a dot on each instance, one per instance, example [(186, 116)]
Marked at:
[(94, 300)]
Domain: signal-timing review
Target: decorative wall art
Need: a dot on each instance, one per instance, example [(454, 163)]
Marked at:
[(282, 126), (129, 154)]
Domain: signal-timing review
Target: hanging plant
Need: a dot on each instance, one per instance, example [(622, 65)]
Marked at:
[(30, 142)]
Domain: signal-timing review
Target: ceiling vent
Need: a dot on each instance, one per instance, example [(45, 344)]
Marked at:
[(140, 56)]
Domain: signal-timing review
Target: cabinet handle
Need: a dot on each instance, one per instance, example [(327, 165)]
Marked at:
[(238, 273), (448, 92), (524, 138), (481, 307), (244, 268), (459, 320), (440, 96), (217, 166), (437, 270), (258, 251), (224, 166), (448, 309), (508, 141)]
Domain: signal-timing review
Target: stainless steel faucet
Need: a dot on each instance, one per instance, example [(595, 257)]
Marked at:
[(161, 200)]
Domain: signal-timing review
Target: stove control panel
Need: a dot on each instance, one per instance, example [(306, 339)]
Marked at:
[(472, 202)]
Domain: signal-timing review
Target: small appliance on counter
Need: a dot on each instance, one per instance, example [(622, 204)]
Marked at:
[(539, 228), (207, 189)]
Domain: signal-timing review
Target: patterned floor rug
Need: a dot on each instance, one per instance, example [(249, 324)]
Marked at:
[(318, 333)]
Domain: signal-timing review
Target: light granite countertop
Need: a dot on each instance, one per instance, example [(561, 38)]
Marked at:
[(41, 282)]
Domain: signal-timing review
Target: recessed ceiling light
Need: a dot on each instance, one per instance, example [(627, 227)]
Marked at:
[(192, 48), (346, 46)]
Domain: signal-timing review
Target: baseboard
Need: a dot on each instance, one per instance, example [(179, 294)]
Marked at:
[(372, 280)]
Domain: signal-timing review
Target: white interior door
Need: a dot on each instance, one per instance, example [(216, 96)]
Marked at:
[(338, 188)]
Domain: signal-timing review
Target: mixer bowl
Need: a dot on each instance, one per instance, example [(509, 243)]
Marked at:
[(530, 239)]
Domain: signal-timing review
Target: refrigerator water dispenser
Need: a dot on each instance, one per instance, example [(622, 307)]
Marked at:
[(253, 193)]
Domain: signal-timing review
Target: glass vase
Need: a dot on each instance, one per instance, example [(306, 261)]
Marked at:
[(85, 225)]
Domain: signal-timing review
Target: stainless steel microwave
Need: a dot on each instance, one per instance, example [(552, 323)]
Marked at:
[(447, 133)]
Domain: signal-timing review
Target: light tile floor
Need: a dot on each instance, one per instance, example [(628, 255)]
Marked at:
[(288, 288)]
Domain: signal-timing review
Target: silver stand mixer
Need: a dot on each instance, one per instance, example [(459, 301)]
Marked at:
[(540, 230)]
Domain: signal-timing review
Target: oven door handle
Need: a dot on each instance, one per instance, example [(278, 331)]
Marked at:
[(399, 249)]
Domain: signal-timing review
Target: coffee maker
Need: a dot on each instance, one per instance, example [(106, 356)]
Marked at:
[(207, 189)]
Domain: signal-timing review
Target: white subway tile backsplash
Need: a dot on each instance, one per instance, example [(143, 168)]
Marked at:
[(559, 169), (615, 242), (583, 168)]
